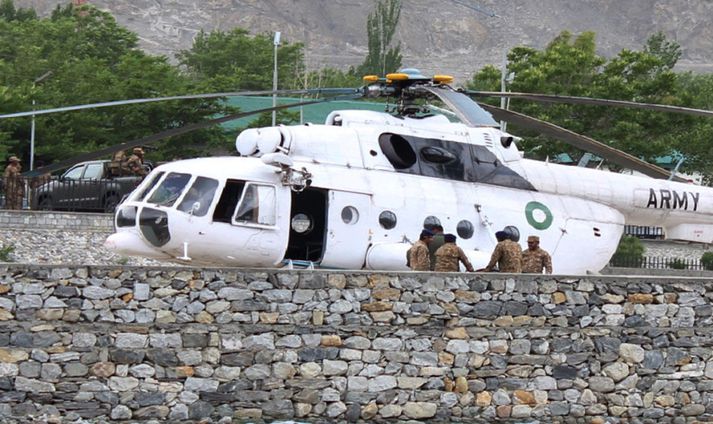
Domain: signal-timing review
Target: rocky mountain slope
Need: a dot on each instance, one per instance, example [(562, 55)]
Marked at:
[(443, 37)]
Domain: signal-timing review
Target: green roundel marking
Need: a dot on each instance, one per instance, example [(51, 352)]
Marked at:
[(530, 208)]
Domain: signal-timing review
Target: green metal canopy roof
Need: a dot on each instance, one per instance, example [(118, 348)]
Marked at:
[(315, 114)]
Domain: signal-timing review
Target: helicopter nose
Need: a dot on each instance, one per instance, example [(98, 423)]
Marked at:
[(153, 225), (131, 244)]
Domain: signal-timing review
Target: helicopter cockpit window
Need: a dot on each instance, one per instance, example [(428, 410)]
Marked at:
[(199, 197), (257, 206), (149, 186), (170, 189), (228, 201), (397, 150)]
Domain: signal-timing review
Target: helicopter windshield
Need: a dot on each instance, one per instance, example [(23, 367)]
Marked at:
[(199, 197), (468, 111), (170, 189), (148, 186)]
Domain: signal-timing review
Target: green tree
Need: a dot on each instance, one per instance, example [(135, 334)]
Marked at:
[(693, 138), (383, 56), (10, 13), (667, 51), (569, 65), (236, 60), (629, 252), (92, 59), (330, 77), (707, 261)]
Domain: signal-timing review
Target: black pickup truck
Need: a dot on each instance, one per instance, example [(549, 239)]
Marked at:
[(87, 186)]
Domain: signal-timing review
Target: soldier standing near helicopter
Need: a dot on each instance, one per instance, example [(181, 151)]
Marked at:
[(507, 255), (448, 256), (418, 256), (14, 190), (436, 243), (534, 259)]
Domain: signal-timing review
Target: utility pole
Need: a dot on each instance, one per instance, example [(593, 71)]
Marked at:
[(276, 42), (505, 79), (32, 125)]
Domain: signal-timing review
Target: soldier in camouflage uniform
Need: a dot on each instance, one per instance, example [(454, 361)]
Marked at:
[(507, 254), (436, 243), (448, 255), (118, 167), (418, 258), (535, 258), (13, 184), (136, 162)]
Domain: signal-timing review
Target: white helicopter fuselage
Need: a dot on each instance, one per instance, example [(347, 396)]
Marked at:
[(355, 193)]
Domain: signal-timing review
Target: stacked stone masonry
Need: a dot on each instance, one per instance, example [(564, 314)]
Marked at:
[(56, 221), (121, 343)]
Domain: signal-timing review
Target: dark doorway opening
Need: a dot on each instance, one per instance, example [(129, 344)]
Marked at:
[(308, 218)]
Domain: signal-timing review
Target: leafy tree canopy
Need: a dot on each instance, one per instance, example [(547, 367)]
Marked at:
[(236, 60), (86, 57), (569, 65), (383, 56)]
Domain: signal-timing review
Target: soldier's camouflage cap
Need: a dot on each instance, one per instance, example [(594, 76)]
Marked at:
[(533, 239)]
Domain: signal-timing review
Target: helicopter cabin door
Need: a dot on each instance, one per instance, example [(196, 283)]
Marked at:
[(347, 236), (308, 213)]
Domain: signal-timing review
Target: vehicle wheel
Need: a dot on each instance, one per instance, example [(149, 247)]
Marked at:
[(110, 203), (45, 203)]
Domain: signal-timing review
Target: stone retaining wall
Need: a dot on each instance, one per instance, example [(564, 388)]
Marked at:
[(39, 220), (179, 344)]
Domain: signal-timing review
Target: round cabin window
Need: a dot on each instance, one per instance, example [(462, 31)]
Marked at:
[(465, 229), (387, 220), (513, 233), (350, 215), (301, 223), (430, 222)]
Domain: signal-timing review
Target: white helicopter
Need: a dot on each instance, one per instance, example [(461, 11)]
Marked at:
[(354, 192)]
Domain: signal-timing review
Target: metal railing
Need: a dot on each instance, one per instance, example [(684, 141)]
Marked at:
[(656, 262), (644, 232), (51, 193)]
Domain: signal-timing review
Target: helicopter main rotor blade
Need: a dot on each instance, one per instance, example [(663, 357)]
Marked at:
[(554, 98), (332, 91), (165, 134), (581, 142)]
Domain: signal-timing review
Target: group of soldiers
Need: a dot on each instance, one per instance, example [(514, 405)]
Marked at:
[(509, 257), (13, 185), (134, 165), (435, 251)]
